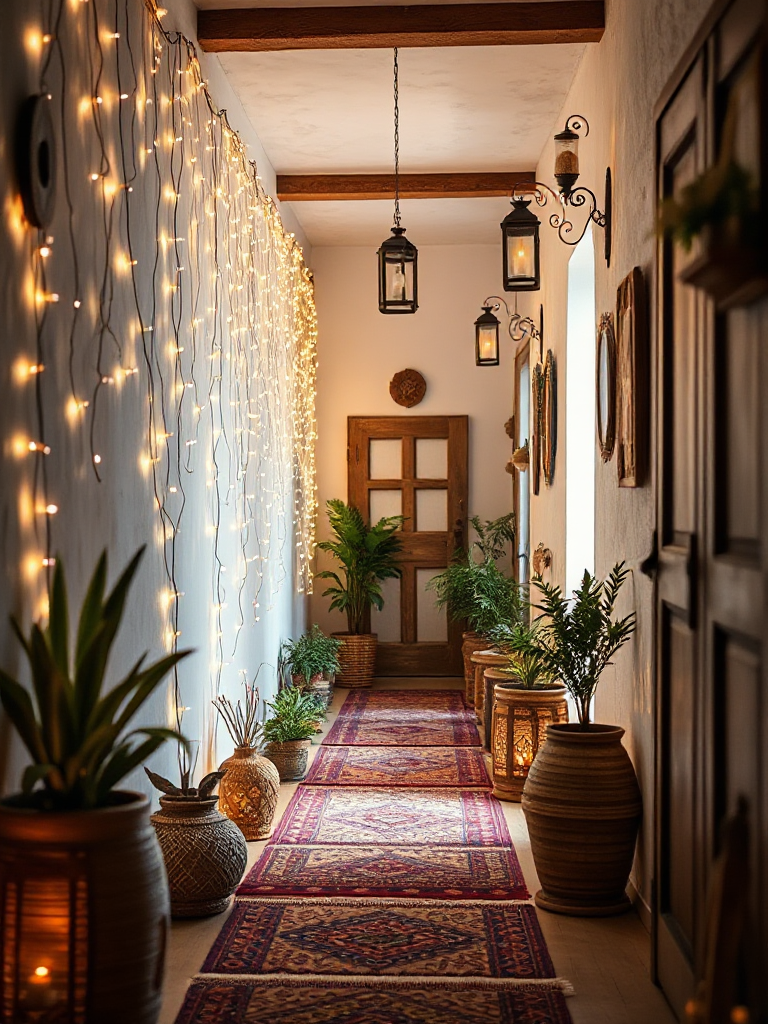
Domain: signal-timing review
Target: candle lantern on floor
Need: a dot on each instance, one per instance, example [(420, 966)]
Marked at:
[(518, 730)]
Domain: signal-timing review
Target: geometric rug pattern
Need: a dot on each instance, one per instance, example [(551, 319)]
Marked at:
[(398, 766), (390, 893)]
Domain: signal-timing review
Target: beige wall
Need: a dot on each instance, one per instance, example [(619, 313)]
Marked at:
[(360, 350), (615, 88)]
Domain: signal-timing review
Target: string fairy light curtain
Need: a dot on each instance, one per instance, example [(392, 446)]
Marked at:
[(180, 312)]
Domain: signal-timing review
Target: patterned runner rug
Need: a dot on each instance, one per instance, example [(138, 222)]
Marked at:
[(391, 892)]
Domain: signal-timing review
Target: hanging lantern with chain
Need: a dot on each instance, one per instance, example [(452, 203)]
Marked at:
[(398, 283)]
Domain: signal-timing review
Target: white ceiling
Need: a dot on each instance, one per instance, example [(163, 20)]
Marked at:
[(479, 108)]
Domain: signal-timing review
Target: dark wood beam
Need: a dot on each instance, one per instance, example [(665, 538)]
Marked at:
[(336, 28), (303, 188)]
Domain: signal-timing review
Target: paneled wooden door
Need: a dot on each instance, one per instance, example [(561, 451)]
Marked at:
[(415, 466), (712, 575)]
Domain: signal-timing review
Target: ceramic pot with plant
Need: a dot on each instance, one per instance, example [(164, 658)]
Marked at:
[(312, 662), (249, 790), (204, 852), (81, 869), (581, 799), (474, 590), (288, 732), (367, 556)]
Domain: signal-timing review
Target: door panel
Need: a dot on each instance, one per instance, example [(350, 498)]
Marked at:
[(415, 466)]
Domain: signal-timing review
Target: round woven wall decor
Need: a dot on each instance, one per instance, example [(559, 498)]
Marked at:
[(407, 388)]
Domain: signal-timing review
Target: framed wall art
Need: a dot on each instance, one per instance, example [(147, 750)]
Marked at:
[(549, 419), (605, 386), (632, 414)]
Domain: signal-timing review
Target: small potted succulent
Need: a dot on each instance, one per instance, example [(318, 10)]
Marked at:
[(289, 730), (312, 662), (581, 799), (204, 852), (367, 555), (248, 791)]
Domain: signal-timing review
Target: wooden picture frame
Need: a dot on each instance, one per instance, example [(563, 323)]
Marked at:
[(632, 416), (549, 419), (605, 386)]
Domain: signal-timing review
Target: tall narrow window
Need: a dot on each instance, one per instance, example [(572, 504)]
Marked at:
[(580, 415)]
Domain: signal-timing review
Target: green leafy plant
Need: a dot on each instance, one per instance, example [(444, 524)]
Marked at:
[(294, 716), (367, 555), (310, 655), (186, 792), (75, 736), (520, 643), (576, 639), (479, 591)]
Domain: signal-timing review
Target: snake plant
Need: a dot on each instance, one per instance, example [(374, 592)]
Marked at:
[(74, 732)]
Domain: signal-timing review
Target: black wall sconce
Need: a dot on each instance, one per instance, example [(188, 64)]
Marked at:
[(520, 248), (487, 330), (566, 175)]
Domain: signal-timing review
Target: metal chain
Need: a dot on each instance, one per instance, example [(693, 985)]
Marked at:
[(397, 148)]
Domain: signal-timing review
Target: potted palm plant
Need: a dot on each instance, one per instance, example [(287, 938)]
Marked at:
[(289, 731), (312, 662), (367, 556), (581, 799), (81, 871), (475, 590)]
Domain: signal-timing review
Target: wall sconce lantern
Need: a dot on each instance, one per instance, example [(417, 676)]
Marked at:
[(520, 248), (566, 175), (487, 338), (487, 330), (398, 258)]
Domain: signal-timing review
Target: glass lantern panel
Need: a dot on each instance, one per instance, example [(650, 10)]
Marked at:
[(383, 503), (386, 623), (566, 156), (399, 281), (43, 951), (431, 510), (431, 458), (521, 258), (487, 343), (385, 458), (431, 621)]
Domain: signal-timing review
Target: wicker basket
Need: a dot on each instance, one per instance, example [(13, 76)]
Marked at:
[(357, 657), (290, 758)]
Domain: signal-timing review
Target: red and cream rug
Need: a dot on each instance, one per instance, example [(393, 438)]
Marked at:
[(390, 893)]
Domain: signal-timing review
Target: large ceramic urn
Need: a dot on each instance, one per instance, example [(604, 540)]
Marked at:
[(204, 853), (583, 807)]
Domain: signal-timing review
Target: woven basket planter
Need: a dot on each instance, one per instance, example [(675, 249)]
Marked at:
[(357, 657), (248, 792), (470, 642), (290, 758), (204, 853), (583, 808)]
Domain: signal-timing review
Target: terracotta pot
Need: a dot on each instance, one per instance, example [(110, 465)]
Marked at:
[(518, 728), (290, 758), (470, 642), (248, 792), (94, 885), (583, 807), (482, 660), (204, 853), (357, 657)]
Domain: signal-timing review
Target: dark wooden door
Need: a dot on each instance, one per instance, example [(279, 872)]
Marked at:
[(712, 582), (415, 466)]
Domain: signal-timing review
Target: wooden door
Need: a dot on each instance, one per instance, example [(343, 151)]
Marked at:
[(712, 582), (415, 466)]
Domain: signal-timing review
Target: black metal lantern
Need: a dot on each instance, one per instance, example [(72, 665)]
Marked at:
[(398, 258), (487, 338), (398, 279), (520, 252), (567, 159)]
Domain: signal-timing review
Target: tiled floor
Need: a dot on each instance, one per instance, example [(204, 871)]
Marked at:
[(606, 960)]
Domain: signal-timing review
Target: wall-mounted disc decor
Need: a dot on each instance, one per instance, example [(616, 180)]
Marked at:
[(36, 160), (549, 419), (407, 388), (605, 386)]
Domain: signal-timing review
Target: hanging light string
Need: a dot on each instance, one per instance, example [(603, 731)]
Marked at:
[(397, 142)]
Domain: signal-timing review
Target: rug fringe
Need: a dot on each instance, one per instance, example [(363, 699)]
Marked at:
[(388, 981), (376, 901)]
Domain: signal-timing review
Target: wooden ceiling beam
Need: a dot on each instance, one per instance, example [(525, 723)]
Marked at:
[(307, 188), (337, 28)]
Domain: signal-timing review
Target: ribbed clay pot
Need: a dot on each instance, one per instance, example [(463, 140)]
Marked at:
[(290, 758), (248, 792), (204, 853), (583, 807), (470, 642), (480, 661), (94, 886), (357, 657)]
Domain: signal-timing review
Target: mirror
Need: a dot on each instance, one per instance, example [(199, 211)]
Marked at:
[(605, 386)]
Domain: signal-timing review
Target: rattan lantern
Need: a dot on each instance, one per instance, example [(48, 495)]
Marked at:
[(518, 730)]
